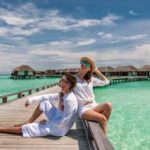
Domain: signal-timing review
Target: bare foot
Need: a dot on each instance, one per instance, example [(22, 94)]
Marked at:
[(1, 129)]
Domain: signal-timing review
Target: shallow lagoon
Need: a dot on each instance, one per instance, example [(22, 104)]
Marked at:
[(129, 126)]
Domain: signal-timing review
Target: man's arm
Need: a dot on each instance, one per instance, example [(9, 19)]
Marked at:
[(50, 97)]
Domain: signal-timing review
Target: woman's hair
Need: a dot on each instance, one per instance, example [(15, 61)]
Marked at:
[(88, 76), (72, 80)]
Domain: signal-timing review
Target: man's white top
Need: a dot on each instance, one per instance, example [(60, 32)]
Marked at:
[(84, 89), (60, 125)]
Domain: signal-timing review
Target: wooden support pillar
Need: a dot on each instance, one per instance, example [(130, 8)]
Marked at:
[(19, 95), (4, 100), (30, 92), (37, 89)]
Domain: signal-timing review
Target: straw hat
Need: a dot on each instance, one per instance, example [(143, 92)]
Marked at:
[(91, 62)]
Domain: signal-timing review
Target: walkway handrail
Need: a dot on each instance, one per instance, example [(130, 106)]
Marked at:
[(128, 79), (95, 136), (20, 93)]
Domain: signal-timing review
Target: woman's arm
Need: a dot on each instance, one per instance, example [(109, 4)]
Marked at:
[(100, 75), (101, 80)]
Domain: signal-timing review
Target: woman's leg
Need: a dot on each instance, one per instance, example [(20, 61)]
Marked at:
[(104, 108), (14, 130), (95, 116)]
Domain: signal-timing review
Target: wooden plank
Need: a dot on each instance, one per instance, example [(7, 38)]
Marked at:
[(98, 140)]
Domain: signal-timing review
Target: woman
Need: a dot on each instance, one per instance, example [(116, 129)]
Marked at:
[(88, 108), (60, 119)]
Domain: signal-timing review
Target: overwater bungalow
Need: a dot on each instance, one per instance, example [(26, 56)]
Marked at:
[(144, 71), (58, 72), (71, 70), (108, 71), (39, 74), (64, 71), (125, 71), (23, 72), (74, 70), (50, 72)]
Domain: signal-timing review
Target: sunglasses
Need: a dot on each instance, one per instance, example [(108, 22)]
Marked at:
[(85, 63)]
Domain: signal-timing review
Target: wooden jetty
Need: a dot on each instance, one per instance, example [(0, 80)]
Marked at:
[(84, 135)]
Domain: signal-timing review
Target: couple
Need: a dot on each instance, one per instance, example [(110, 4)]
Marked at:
[(76, 96)]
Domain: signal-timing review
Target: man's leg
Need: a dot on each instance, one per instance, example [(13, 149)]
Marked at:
[(14, 130), (37, 112)]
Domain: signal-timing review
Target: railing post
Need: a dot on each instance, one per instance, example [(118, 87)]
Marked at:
[(19, 95), (37, 89), (30, 92), (4, 99)]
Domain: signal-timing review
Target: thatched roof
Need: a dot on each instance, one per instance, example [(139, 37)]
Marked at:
[(23, 68), (58, 70), (74, 70), (144, 68), (65, 70), (68, 70), (106, 69), (125, 69)]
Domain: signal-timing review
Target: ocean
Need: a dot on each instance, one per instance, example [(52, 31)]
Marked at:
[(129, 125), (8, 85)]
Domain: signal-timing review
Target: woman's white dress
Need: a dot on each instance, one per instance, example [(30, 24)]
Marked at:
[(59, 122), (84, 93)]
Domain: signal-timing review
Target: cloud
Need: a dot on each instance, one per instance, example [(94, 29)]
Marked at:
[(47, 38), (131, 12), (60, 43), (110, 19), (129, 38), (28, 20), (86, 42), (67, 23), (3, 31), (137, 54), (105, 35)]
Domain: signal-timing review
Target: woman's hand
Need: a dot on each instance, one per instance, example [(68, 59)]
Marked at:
[(27, 103)]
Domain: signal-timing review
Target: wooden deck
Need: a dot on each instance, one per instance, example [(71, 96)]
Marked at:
[(14, 112)]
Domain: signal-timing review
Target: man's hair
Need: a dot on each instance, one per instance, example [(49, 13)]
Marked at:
[(72, 80)]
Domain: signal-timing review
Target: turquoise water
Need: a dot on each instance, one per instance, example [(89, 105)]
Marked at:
[(129, 125), (8, 85)]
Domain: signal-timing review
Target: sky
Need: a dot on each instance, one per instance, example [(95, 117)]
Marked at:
[(53, 34)]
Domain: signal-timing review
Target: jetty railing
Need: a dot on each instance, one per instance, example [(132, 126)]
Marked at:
[(128, 79), (95, 136), (21, 94)]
